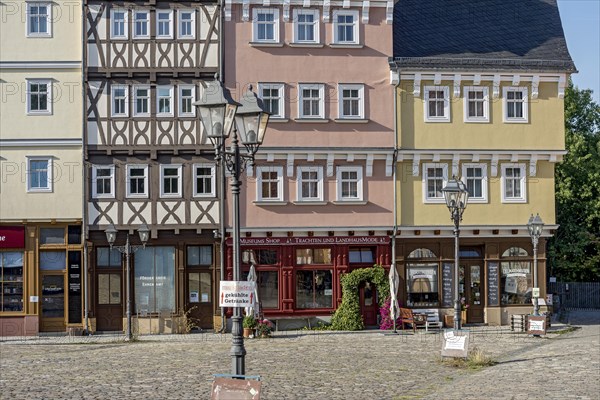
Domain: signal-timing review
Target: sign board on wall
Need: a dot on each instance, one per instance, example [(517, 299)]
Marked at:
[(236, 293), (12, 237), (318, 240), (493, 284), (447, 285)]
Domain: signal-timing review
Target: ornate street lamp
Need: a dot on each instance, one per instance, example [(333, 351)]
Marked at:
[(456, 196), (127, 249), (535, 225), (217, 113)]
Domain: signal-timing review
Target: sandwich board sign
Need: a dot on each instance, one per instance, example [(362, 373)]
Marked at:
[(236, 293), (536, 325)]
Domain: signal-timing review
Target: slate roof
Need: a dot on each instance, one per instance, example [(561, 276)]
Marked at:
[(480, 34)]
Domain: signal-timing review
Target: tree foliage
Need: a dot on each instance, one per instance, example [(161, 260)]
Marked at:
[(575, 250)]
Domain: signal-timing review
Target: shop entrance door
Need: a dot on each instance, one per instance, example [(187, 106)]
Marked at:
[(109, 301), (199, 307), (368, 303), (472, 290), (52, 315)]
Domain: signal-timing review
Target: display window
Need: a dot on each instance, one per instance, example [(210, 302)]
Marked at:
[(422, 279), (11, 281), (515, 277), (154, 277)]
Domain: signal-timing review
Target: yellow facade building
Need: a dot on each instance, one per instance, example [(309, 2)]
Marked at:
[(480, 99)]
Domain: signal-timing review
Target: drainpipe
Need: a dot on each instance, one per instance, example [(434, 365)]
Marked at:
[(221, 166), (394, 168), (84, 228)]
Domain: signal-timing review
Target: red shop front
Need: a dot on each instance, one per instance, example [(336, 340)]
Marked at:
[(300, 276)]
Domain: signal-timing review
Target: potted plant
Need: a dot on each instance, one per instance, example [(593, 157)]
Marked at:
[(264, 328), (249, 324)]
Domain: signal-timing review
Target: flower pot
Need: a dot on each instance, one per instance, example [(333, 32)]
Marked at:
[(248, 332)]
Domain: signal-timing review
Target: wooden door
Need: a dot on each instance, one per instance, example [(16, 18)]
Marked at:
[(52, 316), (199, 306), (368, 303), (109, 301), (472, 290)]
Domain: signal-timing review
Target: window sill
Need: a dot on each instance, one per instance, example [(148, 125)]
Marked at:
[(515, 121), (39, 190), (311, 120), (278, 120), (173, 197), (346, 45), (350, 202), (108, 197), (514, 201), (477, 201), (309, 45), (477, 121), (39, 36), (137, 197), (266, 44), (350, 121), (309, 203), (434, 201), (270, 203), (429, 120)]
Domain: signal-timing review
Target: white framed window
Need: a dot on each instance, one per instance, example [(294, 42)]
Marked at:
[(476, 102), (204, 180), (516, 104), (351, 101), (118, 23), (39, 174), (103, 181), (39, 96), (170, 180), (475, 178), (437, 104), (187, 97), (164, 101), (513, 183), (265, 25), (435, 177), (120, 101), (345, 27), (310, 183), (311, 102), (186, 26), (349, 183), (141, 23), (39, 19), (141, 100), (269, 183), (137, 181), (306, 26), (164, 24), (272, 95)]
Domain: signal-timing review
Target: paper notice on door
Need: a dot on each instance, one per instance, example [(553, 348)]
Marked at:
[(193, 297)]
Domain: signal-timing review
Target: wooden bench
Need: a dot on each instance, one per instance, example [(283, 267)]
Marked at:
[(407, 317), (432, 319)]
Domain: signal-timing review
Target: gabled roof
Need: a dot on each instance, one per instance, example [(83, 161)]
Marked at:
[(480, 34)]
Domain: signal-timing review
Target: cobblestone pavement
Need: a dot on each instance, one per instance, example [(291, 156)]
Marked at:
[(305, 365)]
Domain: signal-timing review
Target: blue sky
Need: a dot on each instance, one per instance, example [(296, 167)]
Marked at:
[(581, 23)]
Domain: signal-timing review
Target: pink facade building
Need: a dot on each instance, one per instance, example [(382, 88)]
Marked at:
[(319, 200)]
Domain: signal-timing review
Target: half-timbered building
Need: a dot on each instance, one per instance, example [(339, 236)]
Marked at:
[(148, 161)]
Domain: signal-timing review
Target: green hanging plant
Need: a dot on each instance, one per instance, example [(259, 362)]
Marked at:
[(347, 317)]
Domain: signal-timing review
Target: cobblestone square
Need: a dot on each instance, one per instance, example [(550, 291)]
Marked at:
[(306, 365)]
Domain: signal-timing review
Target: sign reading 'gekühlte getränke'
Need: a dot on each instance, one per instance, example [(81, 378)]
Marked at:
[(236, 294)]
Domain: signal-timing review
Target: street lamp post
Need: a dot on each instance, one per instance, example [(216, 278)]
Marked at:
[(456, 196), (217, 114), (535, 227), (127, 249)]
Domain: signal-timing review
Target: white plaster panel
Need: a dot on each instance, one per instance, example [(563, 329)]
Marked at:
[(92, 55), (213, 212), (161, 213), (92, 133), (112, 214), (128, 213)]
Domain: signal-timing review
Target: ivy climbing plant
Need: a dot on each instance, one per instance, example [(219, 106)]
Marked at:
[(347, 317)]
